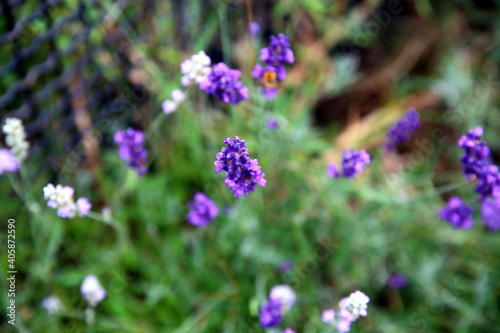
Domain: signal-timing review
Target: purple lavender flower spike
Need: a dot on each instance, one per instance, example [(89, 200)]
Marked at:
[(477, 153), (403, 129), (354, 162), (457, 213), (242, 173), (268, 77), (285, 266), (8, 162), (224, 83), (203, 210), (270, 315), (490, 210), (332, 170), (254, 28), (277, 54), (328, 316), (272, 124), (476, 164), (83, 206), (131, 149), (397, 281), (488, 184)]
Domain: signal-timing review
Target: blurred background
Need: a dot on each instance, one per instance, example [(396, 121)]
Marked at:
[(75, 72)]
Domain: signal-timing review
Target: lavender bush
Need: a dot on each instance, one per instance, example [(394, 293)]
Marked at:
[(206, 207)]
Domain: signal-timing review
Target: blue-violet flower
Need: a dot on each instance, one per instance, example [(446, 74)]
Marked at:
[(477, 153), (131, 150), (272, 124), (270, 315), (403, 129), (242, 173), (281, 299), (277, 54), (490, 210), (268, 78), (203, 210), (397, 281), (8, 162), (224, 83), (488, 182), (353, 162), (457, 213)]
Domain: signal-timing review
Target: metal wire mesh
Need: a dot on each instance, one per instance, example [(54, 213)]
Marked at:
[(51, 62)]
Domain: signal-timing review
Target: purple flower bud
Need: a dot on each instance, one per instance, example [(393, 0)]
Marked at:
[(328, 316), (203, 210), (397, 281), (224, 83), (254, 28), (403, 129), (285, 266), (83, 206), (275, 56), (490, 210), (488, 182), (242, 173), (354, 162), (270, 315), (272, 124), (8, 162), (268, 78), (131, 150), (477, 153), (278, 52), (332, 170), (457, 213)]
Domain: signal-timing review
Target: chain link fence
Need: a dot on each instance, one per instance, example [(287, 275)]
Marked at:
[(62, 65)]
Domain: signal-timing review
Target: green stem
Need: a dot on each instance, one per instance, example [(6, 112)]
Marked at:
[(120, 230), (440, 190), (16, 187), (90, 319), (224, 35)]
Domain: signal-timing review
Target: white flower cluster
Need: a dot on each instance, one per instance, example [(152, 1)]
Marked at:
[(350, 308), (61, 198), (195, 69), (285, 295), (170, 105), (15, 138), (52, 304), (355, 304), (92, 291)]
